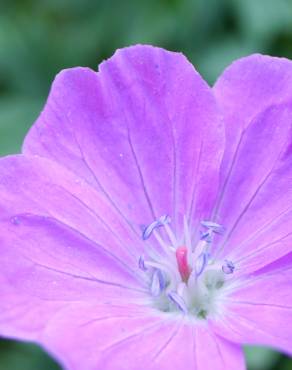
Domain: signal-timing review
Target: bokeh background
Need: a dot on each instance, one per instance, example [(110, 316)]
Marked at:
[(39, 38)]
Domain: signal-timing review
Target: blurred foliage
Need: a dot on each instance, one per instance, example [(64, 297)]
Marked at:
[(23, 356), (39, 38)]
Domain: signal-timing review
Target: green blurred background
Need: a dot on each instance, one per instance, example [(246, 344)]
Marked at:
[(39, 38)]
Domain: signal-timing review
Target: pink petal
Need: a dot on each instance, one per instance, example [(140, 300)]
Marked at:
[(246, 88), (144, 131), (127, 338), (259, 311), (45, 266), (255, 201), (42, 187)]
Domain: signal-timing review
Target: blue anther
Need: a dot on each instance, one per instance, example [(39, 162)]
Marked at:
[(201, 263), (178, 301), (207, 236), (228, 267), (141, 263), (158, 283), (213, 226), (161, 221)]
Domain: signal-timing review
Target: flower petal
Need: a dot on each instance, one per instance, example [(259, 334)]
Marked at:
[(46, 266), (144, 130), (255, 201), (260, 309), (254, 207), (42, 187), (245, 89), (116, 337)]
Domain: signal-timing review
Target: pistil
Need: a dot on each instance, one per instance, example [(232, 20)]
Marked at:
[(184, 269)]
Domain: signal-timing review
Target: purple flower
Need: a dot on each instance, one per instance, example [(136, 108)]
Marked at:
[(147, 223)]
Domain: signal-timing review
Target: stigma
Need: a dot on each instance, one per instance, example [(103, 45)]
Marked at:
[(184, 269), (184, 277)]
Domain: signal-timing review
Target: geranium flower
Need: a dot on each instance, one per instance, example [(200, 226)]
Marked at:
[(147, 224)]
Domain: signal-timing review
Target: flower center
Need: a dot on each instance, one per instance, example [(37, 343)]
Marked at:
[(184, 277)]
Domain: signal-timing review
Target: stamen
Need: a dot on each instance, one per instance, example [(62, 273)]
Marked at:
[(207, 236), (171, 235), (164, 267), (228, 267), (202, 247), (188, 240), (166, 247), (141, 263), (201, 263), (213, 226), (178, 301), (158, 283), (182, 262), (161, 221), (186, 277)]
